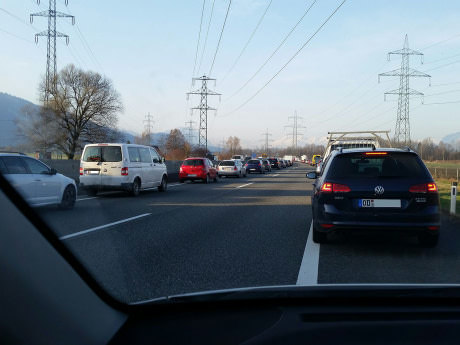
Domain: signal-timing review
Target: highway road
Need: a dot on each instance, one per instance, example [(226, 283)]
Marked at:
[(239, 232)]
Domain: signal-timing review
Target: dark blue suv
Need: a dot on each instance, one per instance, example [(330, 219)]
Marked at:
[(255, 165), (383, 189)]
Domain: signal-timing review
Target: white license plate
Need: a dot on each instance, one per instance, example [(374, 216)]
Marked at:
[(252, 169), (93, 172), (192, 175), (394, 203)]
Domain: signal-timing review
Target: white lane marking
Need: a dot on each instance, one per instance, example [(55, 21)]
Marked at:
[(103, 226), (90, 198), (244, 185), (276, 175), (308, 272), (177, 184)]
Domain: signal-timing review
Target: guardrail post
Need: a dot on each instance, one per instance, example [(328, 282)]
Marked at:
[(435, 174), (453, 198), (457, 174)]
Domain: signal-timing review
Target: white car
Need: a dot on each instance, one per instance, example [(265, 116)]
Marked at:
[(126, 167), (231, 168), (37, 183)]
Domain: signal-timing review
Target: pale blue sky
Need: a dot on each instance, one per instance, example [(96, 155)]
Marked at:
[(148, 47)]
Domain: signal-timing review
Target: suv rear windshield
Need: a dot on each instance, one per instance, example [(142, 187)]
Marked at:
[(193, 162), (254, 161), (102, 153), (227, 164), (273, 160), (392, 164)]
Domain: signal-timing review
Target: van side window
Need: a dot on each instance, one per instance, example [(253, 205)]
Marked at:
[(155, 156), (145, 155), (134, 156)]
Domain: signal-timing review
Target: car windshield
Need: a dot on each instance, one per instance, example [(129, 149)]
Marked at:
[(227, 163), (148, 135), (364, 165), (193, 162)]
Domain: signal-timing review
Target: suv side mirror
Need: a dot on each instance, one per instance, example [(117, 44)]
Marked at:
[(53, 171), (162, 160), (311, 175)]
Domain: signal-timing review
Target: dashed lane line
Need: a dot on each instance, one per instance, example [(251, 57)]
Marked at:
[(103, 226)]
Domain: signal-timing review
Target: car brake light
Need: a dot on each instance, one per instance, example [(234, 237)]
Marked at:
[(326, 226), (376, 153), (433, 227), (81, 171), (235, 168), (124, 171), (340, 188), (424, 188), (335, 187), (326, 187)]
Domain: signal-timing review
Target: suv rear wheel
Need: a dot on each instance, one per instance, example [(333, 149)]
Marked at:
[(318, 236), (206, 180)]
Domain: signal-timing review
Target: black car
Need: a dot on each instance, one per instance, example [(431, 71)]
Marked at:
[(255, 165), (383, 189), (275, 164), (267, 165)]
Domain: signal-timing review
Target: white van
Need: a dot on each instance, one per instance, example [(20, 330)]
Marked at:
[(127, 167)]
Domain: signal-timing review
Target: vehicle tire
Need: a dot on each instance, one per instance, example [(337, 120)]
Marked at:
[(68, 197), (181, 180), (216, 178), (428, 240), (239, 175), (91, 192), (206, 180), (136, 187), (319, 237), (164, 185)]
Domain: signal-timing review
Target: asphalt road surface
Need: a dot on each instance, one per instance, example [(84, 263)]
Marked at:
[(239, 232)]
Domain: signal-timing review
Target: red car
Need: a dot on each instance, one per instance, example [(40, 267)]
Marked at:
[(197, 168)]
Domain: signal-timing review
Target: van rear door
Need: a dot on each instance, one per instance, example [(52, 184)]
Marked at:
[(91, 162), (111, 164)]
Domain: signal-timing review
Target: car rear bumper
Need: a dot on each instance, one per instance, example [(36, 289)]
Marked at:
[(125, 186), (185, 176), (228, 173)]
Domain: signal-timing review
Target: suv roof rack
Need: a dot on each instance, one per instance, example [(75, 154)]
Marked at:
[(17, 152)]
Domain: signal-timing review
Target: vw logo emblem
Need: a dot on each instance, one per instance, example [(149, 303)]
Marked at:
[(379, 190)]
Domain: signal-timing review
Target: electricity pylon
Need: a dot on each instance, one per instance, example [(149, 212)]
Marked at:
[(295, 129), (204, 92), (189, 128), (266, 140), (402, 131), (148, 126), (51, 34)]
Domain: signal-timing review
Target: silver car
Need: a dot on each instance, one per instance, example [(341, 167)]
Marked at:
[(37, 183), (231, 168)]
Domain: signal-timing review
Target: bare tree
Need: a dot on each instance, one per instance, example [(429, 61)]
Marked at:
[(83, 108), (233, 145)]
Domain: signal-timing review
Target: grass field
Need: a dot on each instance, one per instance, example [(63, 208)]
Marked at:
[(443, 164), (444, 194)]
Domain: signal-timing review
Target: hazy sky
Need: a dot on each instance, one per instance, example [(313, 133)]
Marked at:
[(147, 48)]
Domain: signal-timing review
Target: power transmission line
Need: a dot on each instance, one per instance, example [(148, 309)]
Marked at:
[(18, 19), (220, 37), (206, 38), (289, 61), (199, 38), (274, 52), (248, 41), (402, 131), (204, 92), (51, 34)]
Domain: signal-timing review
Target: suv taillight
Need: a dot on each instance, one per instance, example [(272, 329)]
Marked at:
[(429, 187), (81, 171), (235, 168), (124, 171), (328, 187)]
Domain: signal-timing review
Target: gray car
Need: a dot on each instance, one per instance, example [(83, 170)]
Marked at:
[(231, 168)]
